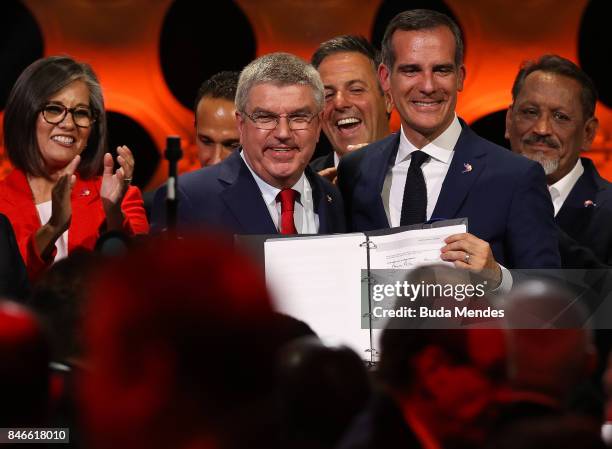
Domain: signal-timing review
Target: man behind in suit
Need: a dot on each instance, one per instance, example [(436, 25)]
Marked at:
[(266, 187), (215, 118), (356, 109), (551, 119), (216, 131), (462, 175)]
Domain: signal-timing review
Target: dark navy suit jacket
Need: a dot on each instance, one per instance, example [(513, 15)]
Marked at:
[(586, 220), (13, 277), (323, 162), (225, 197), (503, 195)]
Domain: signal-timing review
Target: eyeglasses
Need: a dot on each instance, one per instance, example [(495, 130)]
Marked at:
[(56, 113), (270, 121)]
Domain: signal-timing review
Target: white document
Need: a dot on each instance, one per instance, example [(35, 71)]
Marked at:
[(410, 249), (319, 280)]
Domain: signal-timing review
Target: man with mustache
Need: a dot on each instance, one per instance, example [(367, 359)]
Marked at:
[(437, 168), (265, 186), (356, 109), (551, 120)]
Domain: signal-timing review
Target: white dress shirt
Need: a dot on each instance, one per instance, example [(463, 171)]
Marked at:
[(441, 151), (304, 217), (560, 190)]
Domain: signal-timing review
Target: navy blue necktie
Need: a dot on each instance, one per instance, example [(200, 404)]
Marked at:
[(414, 204)]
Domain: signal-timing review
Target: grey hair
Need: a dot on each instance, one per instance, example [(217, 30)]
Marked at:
[(280, 69)]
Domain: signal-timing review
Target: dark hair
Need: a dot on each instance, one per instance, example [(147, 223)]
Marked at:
[(36, 84), (399, 346), (419, 19), (58, 298), (348, 44), (220, 85), (343, 44), (559, 66)]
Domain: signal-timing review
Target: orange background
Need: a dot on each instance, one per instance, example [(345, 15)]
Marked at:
[(120, 39)]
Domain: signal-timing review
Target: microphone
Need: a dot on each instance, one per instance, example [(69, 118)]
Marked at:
[(173, 154)]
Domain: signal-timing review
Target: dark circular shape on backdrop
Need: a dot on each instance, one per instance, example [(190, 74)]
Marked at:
[(122, 130), (595, 47), (21, 43), (198, 40), (492, 127), (390, 8)]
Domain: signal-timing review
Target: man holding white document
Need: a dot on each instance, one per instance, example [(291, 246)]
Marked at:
[(436, 168)]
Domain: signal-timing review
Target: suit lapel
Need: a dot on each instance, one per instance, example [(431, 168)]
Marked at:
[(329, 160), (374, 170), (20, 196), (468, 163), (243, 197), (574, 215), (321, 202), (84, 217)]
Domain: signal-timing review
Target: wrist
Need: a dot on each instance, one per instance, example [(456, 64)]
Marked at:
[(497, 276), (45, 239), (114, 218), (52, 230)]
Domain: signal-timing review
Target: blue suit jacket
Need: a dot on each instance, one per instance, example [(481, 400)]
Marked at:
[(323, 162), (225, 197), (586, 219), (503, 195)]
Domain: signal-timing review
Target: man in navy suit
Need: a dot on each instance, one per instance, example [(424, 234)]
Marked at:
[(356, 109), (457, 173), (266, 187), (551, 120)]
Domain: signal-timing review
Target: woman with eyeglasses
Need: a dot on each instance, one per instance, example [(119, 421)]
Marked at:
[(64, 190)]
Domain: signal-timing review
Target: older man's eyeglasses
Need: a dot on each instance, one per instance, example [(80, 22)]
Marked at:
[(56, 113), (270, 121)]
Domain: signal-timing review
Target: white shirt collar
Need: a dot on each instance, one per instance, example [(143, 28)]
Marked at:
[(441, 148), (270, 193), (562, 188)]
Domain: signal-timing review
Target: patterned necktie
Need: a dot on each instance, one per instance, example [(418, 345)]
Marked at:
[(414, 204), (287, 200)]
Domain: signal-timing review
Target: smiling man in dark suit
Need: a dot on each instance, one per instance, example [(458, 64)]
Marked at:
[(266, 187), (457, 173), (551, 120), (356, 109)]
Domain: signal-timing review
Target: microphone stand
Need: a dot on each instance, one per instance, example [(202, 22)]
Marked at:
[(173, 154)]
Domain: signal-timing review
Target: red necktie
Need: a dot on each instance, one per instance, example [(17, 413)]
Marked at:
[(287, 200)]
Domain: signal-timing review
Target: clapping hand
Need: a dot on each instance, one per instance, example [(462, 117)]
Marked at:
[(61, 209), (356, 146), (331, 174), (115, 184)]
